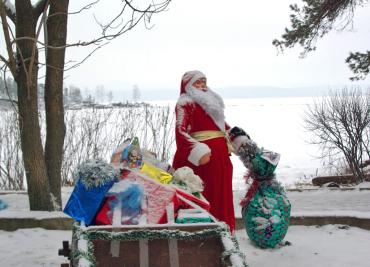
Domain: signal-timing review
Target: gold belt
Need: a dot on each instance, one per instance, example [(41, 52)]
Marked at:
[(207, 135)]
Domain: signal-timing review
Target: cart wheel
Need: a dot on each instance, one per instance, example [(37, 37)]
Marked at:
[(66, 252)]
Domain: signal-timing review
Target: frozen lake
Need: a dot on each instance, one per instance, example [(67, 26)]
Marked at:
[(275, 124)]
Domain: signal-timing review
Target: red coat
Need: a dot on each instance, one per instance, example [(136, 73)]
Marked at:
[(217, 174)]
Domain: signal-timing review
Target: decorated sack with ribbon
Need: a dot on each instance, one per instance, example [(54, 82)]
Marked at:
[(93, 179), (265, 207)]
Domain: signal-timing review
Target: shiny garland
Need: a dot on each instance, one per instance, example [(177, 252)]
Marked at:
[(94, 173), (83, 257), (87, 258)]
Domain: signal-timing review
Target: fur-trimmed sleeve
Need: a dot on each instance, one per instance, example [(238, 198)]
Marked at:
[(238, 141), (186, 145)]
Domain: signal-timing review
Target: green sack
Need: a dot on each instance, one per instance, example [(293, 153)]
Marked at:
[(267, 215)]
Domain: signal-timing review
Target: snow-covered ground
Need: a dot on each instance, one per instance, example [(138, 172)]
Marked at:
[(330, 245), (326, 246), (324, 202)]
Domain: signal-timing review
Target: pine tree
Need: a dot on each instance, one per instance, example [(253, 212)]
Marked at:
[(315, 19)]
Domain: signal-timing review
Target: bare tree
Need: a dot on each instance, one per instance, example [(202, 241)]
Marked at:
[(98, 132), (23, 25), (91, 133), (11, 163), (340, 124), (158, 133)]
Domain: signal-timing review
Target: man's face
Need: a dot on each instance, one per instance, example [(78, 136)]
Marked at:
[(200, 84)]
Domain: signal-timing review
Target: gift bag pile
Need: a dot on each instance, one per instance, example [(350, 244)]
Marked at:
[(265, 207), (135, 188)]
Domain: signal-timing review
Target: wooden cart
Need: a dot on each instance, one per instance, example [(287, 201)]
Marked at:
[(172, 245)]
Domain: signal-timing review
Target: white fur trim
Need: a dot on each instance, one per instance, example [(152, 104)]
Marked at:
[(184, 99), (211, 103), (198, 151), (239, 141)]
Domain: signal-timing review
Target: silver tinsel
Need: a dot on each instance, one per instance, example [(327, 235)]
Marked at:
[(94, 173)]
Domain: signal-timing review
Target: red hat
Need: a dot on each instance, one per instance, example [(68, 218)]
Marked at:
[(189, 78)]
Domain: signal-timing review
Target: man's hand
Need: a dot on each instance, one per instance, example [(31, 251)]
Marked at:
[(205, 159)]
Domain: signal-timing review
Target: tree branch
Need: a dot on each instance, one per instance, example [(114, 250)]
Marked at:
[(314, 20), (42, 21), (11, 61), (359, 63), (39, 8), (9, 10)]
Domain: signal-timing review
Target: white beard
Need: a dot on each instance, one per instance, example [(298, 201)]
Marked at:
[(212, 104)]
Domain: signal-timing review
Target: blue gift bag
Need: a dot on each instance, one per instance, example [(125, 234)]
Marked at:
[(83, 203), (93, 179)]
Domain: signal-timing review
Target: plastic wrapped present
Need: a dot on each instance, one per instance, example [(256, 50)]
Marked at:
[(186, 179), (151, 158), (157, 196), (156, 173), (116, 158), (131, 155), (128, 154), (267, 214), (123, 204), (199, 200), (192, 216), (93, 179)]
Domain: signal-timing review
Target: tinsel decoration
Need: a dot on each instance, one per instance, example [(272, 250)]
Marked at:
[(86, 253), (94, 173), (265, 207)]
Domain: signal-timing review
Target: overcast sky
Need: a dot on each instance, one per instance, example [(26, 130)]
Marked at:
[(230, 41)]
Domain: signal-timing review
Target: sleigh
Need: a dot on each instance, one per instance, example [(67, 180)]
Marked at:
[(161, 239), (196, 244)]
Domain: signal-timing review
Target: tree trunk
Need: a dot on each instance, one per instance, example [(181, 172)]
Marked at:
[(55, 127), (33, 154), (355, 168)]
